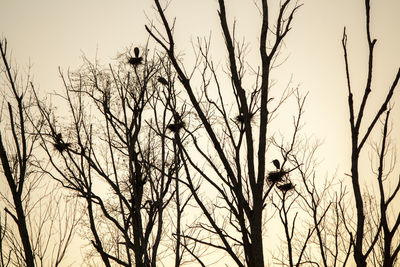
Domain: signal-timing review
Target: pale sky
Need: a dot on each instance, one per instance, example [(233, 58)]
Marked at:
[(48, 34), (52, 33)]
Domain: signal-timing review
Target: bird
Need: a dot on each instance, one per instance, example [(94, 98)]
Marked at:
[(162, 80), (276, 163), (58, 138), (136, 50)]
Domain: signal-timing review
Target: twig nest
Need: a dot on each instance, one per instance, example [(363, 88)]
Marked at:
[(175, 127), (286, 187), (59, 144), (276, 176), (240, 118), (134, 61), (61, 147)]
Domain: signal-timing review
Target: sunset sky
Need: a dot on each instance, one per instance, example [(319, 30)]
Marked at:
[(48, 34), (51, 34)]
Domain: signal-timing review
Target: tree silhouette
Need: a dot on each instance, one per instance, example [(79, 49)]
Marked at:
[(362, 249), (24, 195), (241, 186), (167, 165), (119, 158)]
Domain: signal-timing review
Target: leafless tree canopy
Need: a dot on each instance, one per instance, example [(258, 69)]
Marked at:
[(156, 164), (34, 231)]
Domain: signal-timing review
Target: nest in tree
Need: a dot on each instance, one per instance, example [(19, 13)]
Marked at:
[(286, 187), (60, 146), (175, 127), (276, 176), (134, 61), (240, 118)]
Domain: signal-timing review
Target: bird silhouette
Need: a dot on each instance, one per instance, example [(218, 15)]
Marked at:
[(136, 50), (162, 80), (276, 163), (58, 138)]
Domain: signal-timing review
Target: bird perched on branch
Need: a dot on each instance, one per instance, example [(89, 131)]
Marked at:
[(136, 51), (58, 138), (162, 80), (276, 163)]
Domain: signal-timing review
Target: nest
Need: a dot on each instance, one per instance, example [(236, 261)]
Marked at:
[(134, 61), (286, 187), (60, 147), (276, 176), (240, 118), (175, 127), (59, 144)]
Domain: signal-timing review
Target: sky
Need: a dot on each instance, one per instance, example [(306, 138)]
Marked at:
[(47, 34)]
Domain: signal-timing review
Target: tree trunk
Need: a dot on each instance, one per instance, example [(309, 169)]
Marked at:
[(256, 253), (358, 246), (23, 232)]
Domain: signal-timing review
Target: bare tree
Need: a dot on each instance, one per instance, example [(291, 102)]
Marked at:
[(359, 137), (137, 143), (323, 201), (15, 168), (25, 198), (236, 165), (310, 214), (5, 253), (117, 155), (391, 244)]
